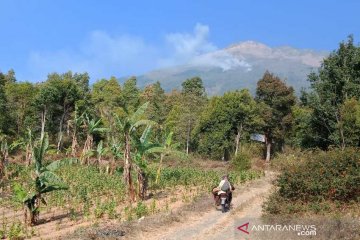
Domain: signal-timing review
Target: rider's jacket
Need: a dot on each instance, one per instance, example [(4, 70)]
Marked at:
[(221, 184)]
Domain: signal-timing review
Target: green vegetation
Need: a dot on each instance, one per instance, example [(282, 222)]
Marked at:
[(317, 182), (125, 139), (327, 118), (333, 101), (93, 193), (242, 161), (45, 181)]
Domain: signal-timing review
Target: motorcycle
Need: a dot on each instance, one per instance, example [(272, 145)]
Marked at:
[(222, 199)]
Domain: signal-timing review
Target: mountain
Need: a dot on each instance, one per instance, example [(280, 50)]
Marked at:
[(240, 66)]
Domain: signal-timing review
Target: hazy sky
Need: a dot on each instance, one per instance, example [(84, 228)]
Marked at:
[(114, 37)]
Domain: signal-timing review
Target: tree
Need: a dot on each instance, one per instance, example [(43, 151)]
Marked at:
[(243, 114), (350, 122), (193, 86), (278, 100), (3, 155), (185, 113), (92, 127), (19, 99), (131, 95), (128, 126), (76, 124), (224, 122), (107, 98), (71, 89), (4, 116), (301, 132), (56, 101), (155, 95), (336, 82)]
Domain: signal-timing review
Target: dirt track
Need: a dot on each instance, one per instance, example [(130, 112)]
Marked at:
[(212, 223), (204, 222)]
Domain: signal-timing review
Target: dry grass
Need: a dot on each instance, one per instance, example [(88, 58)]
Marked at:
[(131, 229), (327, 228)]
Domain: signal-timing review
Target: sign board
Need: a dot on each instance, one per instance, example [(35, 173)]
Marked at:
[(257, 137)]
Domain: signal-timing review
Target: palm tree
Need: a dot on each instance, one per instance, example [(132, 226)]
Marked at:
[(45, 181), (128, 126), (92, 127)]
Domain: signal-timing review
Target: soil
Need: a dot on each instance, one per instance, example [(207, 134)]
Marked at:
[(211, 223)]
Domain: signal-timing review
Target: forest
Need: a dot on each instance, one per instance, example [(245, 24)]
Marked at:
[(65, 140)]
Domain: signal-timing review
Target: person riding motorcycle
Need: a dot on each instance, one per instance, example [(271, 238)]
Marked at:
[(224, 187)]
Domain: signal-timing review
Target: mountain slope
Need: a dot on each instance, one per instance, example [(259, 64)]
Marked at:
[(240, 66)]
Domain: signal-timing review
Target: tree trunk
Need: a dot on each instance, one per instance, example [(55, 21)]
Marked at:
[(142, 182), (159, 169), (188, 138), (28, 154), (268, 150), (112, 165), (60, 132), (2, 166), (127, 168), (237, 139), (32, 217), (43, 120), (341, 129), (74, 142), (87, 147), (343, 145), (4, 154)]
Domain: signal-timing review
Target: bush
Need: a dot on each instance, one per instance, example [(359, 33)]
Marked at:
[(241, 162), (285, 160), (332, 175), (141, 210)]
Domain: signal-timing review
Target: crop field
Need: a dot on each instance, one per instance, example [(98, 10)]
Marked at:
[(94, 196)]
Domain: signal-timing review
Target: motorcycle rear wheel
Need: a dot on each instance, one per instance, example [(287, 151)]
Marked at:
[(223, 208)]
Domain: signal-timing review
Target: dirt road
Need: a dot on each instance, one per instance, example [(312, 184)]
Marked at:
[(213, 224), (200, 220)]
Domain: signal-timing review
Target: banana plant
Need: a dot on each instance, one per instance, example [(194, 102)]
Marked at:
[(127, 127), (100, 151), (117, 153), (26, 144), (92, 127), (168, 148), (45, 181), (143, 146)]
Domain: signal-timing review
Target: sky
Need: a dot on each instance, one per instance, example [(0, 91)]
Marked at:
[(122, 38)]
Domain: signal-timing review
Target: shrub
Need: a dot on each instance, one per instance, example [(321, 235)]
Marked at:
[(241, 162), (141, 210), (288, 159), (332, 175)]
